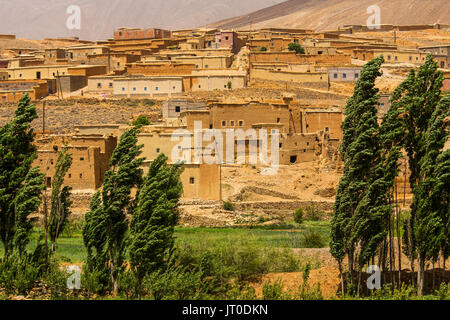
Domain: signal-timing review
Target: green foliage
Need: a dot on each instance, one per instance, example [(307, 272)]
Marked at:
[(275, 291), (20, 184), (312, 239), (60, 199), (352, 225), (141, 121), (228, 205), (229, 85), (72, 227), (127, 283), (263, 49), (106, 225), (313, 213), (154, 218), (177, 283), (406, 292), (298, 216), (18, 276), (293, 46)]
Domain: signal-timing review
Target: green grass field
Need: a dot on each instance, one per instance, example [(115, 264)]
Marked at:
[(71, 248)]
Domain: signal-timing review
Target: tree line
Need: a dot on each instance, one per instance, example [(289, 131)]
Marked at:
[(367, 226), (133, 215)]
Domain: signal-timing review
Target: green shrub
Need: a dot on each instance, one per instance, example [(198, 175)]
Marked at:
[(274, 291), (296, 47), (176, 283), (94, 282), (72, 227), (298, 216), (313, 213), (56, 281), (443, 293), (141, 121), (18, 276), (127, 284), (263, 49), (312, 239), (228, 205)]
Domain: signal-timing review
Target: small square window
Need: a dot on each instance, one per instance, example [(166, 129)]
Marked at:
[(123, 89), (177, 109), (81, 159), (81, 175), (241, 123), (156, 88), (191, 180), (145, 88), (335, 75), (134, 89), (356, 75), (344, 75), (232, 123), (158, 150), (278, 120), (99, 85), (110, 84), (224, 123)]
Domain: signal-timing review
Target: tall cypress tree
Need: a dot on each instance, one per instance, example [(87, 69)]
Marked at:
[(359, 152), (60, 199), (154, 219), (106, 224), (430, 196), (20, 184)]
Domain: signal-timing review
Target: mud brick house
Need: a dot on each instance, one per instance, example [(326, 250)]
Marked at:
[(229, 39), (80, 54), (148, 86), (172, 108), (113, 61), (55, 56), (37, 72), (292, 57), (141, 34), (90, 153), (217, 79), (13, 90), (344, 74), (443, 50), (200, 181)]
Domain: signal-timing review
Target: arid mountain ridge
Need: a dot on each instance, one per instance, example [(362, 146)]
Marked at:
[(331, 14)]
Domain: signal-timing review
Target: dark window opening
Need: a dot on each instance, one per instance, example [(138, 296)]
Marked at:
[(191, 180), (177, 109), (49, 182), (293, 159)]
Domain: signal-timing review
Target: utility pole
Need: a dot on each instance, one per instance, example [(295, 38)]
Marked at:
[(43, 117)]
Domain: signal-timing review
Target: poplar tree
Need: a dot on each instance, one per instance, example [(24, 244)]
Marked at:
[(154, 219), (431, 196), (419, 95), (359, 153), (60, 199), (106, 224), (20, 184)]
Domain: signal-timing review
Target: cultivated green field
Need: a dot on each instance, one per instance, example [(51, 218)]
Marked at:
[(71, 247)]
